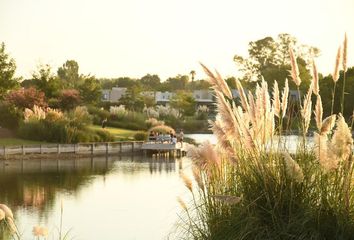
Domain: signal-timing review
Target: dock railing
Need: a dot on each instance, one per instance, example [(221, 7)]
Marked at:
[(78, 148)]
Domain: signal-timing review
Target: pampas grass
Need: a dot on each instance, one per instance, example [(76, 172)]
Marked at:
[(295, 74), (335, 74), (250, 188), (344, 64)]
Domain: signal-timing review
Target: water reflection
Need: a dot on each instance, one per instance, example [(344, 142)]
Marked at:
[(33, 187)]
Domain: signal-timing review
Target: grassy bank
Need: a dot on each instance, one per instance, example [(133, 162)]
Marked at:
[(118, 133), (16, 141)]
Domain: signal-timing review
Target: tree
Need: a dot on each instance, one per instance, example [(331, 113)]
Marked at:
[(90, 90), (192, 73), (175, 83), (326, 92), (184, 102), (270, 58), (69, 73), (150, 82), (198, 85), (7, 71), (44, 80), (26, 98), (133, 100)]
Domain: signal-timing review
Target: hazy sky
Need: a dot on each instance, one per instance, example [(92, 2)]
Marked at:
[(112, 38)]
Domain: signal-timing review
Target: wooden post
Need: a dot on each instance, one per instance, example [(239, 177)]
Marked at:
[(58, 148), (92, 148), (132, 147), (40, 148), (23, 150), (4, 151), (120, 147), (74, 148), (107, 148)]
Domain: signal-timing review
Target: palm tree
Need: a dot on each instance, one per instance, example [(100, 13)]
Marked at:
[(192, 73)]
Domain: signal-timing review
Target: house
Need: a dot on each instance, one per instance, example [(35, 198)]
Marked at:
[(204, 97), (113, 95), (163, 98), (294, 96)]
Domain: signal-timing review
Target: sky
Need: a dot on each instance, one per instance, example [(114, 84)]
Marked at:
[(116, 38)]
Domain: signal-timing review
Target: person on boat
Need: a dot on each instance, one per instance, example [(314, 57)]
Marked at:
[(152, 136), (174, 139), (181, 136)]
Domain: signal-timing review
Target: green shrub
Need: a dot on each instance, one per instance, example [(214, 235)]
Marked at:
[(10, 117), (131, 120), (32, 130), (140, 136), (104, 135), (193, 125), (97, 114)]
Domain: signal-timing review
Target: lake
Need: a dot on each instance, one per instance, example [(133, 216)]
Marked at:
[(121, 197), (127, 197)]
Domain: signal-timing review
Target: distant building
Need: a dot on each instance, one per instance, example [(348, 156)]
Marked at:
[(235, 93), (294, 96), (113, 95), (204, 97), (163, 98)]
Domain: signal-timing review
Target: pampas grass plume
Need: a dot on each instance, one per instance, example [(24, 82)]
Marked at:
[(345, 52), (315, 84), (328, 124), (218, 82), (318, 112), (294, 68), (293, 169), (276, 100), (342, 140), (182, 203), (284, 101), (7, 211), (187, 181), (2, 215), (335, 74)]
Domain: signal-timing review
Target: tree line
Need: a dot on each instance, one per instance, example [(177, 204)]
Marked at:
[(268, 58)]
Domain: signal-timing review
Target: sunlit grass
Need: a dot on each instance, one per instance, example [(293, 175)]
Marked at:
[(118, 133), (17, 141)]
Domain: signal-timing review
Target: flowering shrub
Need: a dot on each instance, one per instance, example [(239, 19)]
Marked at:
[(151, 122), (69, 99), (54, 126), (118, 112), (150, 112), (202, 112), (26, 98), (166, 111)]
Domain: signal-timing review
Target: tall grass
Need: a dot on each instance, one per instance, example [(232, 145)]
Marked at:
[(249, 186)]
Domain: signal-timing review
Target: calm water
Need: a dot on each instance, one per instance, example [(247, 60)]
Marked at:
[(103, 198), (128, 197), (289, 142)]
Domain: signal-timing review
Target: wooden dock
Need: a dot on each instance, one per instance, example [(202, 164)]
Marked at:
[(152, 148)]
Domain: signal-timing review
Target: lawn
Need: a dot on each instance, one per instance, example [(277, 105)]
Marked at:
[(119, 133), (16, 141)]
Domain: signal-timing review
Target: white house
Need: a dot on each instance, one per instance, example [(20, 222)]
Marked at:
[(163, 98), (113, 95), (204, 97)]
